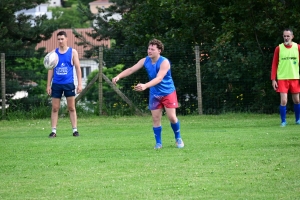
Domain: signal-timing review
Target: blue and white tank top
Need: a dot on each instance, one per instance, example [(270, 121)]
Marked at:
[(166, 86), (63, 72)]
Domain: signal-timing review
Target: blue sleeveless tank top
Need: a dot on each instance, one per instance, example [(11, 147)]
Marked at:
[(166, 86), (63, 72)]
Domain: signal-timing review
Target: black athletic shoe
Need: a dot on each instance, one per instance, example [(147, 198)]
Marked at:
[(75, 134), (52, 135)]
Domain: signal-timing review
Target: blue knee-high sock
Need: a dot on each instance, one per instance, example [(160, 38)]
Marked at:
[(176, 129), (157, 134), (282, 113), (297, 111)]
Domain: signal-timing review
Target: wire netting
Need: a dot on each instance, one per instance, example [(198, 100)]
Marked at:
[(233, 78)]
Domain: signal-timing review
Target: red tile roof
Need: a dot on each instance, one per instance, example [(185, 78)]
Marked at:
[(98, 2), (52, 42)]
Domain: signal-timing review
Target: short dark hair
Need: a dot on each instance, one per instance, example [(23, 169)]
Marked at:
[(288, 29), (158, 43), (62, 33)]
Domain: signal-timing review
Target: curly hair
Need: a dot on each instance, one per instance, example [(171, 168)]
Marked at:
[(158, 43)]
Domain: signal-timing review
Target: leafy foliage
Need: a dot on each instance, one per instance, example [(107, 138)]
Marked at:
[(27, 74), (113, 104), (18, 32), (68, 18), (92, 94), (237, 40)]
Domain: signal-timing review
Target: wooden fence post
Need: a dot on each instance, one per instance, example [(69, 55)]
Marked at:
[(130, 103), (198, 76), (3, 85), (100, 92)]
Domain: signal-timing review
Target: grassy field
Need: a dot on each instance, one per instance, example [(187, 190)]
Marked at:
[(232, 156)]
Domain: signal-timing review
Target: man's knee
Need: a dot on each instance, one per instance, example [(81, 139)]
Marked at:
[(71, 109), (55, 109)]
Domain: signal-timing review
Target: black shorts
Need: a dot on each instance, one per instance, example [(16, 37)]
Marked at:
[(59, 89)]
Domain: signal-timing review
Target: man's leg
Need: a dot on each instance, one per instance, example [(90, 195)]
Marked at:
[(157, 129), (54, 115), (175, 125), (283, 102), (295, 98), (72, 112)]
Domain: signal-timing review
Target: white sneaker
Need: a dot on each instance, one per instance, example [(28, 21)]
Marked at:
[(179, 143)]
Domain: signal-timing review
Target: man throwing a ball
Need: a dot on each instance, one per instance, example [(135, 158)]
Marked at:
[(162, 90)]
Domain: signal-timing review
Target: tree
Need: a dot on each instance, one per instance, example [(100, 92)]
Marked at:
[(28, 75), (18, 32), (238, 38), (18, 38), (86, 2), (243, 53), (68, 17), (195, 21), (92, 94)]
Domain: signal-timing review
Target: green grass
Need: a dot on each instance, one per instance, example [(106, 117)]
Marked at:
[(232, 156)]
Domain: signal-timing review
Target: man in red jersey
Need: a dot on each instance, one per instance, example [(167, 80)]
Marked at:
[(285, 74)]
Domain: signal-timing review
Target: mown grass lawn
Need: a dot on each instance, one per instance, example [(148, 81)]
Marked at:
[(230, 156)]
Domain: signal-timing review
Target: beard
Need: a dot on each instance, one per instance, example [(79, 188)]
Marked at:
[(286, 42)]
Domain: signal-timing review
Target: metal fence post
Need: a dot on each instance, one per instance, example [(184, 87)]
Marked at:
[(198, 76), (100, 92), (3, 85)]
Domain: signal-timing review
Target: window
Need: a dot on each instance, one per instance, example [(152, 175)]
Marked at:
[(85, 71), (82, 72)]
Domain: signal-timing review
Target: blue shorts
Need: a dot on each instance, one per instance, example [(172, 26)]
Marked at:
[(158, 102), (59, 89)]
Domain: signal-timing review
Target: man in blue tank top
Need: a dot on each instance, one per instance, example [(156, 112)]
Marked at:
[(61, 81), (162, 90)]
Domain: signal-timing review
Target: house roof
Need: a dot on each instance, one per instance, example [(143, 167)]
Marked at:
[(100, 2), (52, 42)]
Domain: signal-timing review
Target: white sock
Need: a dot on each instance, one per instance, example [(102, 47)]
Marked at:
[(54, 130), (74, 129)]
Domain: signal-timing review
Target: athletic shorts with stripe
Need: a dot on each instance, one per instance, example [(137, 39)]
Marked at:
[(158, 102)]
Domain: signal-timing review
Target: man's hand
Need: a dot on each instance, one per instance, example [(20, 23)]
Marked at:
[(79, 89), (274, 84), (48, 90), (140, 87), (115, 80)]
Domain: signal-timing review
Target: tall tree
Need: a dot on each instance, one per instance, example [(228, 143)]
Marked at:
[(22, 32), (18, 38), (243, 51), (86, 2), (238, 38), (68, 17), (195, 21)]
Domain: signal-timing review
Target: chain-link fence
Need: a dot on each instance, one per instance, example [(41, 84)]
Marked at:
[(221, 79)]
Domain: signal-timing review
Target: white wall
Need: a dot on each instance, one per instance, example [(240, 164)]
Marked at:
[(41, 9), (37, 11), (55, 3), (84, 64)]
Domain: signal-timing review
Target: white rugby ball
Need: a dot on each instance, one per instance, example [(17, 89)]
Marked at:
[(51, 60)]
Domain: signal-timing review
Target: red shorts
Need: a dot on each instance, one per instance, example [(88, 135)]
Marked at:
[(291, 85), (158, 102)]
